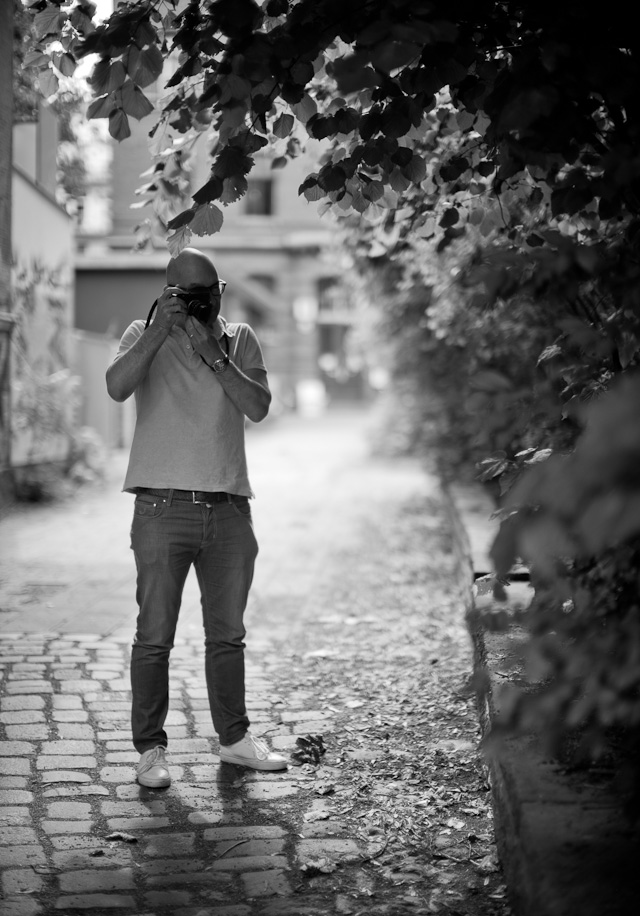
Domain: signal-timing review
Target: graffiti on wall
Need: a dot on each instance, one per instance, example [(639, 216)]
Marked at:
[(44, 392)]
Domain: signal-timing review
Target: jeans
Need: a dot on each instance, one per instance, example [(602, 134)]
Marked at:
[(167, 537)]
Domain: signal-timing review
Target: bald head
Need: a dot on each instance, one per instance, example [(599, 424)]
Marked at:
[(191, 268)]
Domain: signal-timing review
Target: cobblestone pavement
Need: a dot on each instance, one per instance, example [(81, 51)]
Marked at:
[(77, 834)]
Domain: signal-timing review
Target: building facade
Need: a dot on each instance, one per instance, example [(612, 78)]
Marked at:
[(44, 390), (283, 271)]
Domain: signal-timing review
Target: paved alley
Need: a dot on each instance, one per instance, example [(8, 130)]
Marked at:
[(357, 666)]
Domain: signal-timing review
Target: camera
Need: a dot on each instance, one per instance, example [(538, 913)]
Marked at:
[(198, 303)]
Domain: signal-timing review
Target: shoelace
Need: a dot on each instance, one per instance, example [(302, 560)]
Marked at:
[(155, 758), (261, 749)]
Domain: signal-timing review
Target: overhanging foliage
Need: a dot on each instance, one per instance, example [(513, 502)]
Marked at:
[(541, 91)]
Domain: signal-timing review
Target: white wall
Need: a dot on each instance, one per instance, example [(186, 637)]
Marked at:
[(44, 391)]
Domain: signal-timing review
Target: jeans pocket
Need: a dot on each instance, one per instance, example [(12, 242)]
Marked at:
[(242, 506), (148, 507)]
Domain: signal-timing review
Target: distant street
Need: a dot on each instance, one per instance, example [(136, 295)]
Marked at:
[(67, 567)]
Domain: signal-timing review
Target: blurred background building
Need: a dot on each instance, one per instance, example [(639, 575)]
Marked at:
[(44, 389), (78, 280), (283, 272)]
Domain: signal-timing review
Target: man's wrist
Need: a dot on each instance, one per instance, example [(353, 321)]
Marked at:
[(218, 365), (161, 328)]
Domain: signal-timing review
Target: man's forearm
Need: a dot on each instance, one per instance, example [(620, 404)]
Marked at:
[(125, 373), (249, 396)]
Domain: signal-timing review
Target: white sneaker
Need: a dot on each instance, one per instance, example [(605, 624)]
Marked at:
[(252, 752), (152, 769)]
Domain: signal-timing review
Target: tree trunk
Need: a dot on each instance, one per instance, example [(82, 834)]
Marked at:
[(6, 131)]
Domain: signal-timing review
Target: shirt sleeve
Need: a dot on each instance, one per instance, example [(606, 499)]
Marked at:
[(131, 335), (248, 353)]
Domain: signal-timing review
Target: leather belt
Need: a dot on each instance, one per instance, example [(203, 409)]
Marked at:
[(192, 496)]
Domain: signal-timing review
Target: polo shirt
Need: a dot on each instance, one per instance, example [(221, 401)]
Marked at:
[(189, 435)]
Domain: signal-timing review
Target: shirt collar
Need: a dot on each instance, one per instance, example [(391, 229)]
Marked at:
[(221, 327)]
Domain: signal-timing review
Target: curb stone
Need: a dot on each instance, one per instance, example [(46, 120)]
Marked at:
[(564, 846)]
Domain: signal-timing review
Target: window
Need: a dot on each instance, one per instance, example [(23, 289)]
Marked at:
[(259, 197)]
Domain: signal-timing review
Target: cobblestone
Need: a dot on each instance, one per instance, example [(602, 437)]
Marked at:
[(15, 797), (81, 882), (96, 902), (22, 702), (66, 826)]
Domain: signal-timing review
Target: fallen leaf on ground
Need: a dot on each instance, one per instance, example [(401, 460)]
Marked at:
[(311, 749), (313, 867), (311, 816), (487, 865), (325, 788), (125, 837)]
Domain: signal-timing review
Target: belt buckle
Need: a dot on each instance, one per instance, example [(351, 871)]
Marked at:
[(197, 502)]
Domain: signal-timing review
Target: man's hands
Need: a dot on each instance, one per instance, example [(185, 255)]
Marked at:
[(203, 341), (170, 308)]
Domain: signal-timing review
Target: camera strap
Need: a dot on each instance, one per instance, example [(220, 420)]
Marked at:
[(223, 338), (153, 308)]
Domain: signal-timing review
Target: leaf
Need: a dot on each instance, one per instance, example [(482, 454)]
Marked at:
[(80, 21), (352, 74), (120, 835), (107, 76), (398, 181), (450, 218), (312, 867), (312, 816), (549, 352), (395, 119), (65, 63), (48, 83), (279, 162), (35, 58), (416, 170), (346, 120), (534, 240), (144, 67), (359, 202), (304, 109), (541, 454), (388, 56), (119, 125), (465, 119), (332, 177), (48, 22), (101, 107), (233, 189), (373, 191), (312, 192), (490, 380), (310, 749), (208, 220), (209, 191), (283, 126), (135, 102), (248, 142), (231, 162), (233, 86), (485, 168), (179, 240), (493, 467), (182, 219)]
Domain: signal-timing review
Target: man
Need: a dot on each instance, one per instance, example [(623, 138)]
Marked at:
[(195, 378)]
